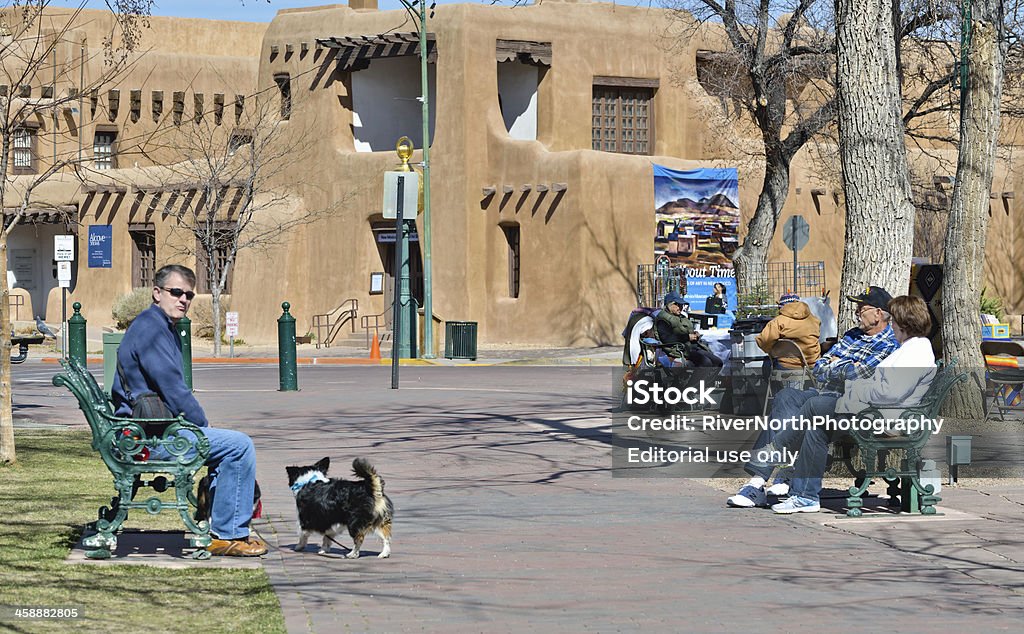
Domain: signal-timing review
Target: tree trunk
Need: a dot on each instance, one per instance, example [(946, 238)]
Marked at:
[(215, 309), (968, 214), (879, 207), (7, 452), (750, 260)]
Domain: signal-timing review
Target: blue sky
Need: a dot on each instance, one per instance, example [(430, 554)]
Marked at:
[(250, 10), (263, 11)]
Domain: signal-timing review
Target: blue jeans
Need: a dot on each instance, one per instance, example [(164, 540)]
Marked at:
[(232, 464), (669, 362), (811, 462), (787, 404), (813, 443)]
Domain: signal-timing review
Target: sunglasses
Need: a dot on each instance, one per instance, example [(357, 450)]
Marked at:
[(178, 292)]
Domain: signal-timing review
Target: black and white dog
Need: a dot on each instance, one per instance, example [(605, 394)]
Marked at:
[(327, 506)]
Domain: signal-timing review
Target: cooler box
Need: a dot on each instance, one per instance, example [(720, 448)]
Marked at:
[(995, 331)]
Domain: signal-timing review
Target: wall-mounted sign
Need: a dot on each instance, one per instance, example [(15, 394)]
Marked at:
[(100, 246), (377, 283), (386, 237), (23, 263)]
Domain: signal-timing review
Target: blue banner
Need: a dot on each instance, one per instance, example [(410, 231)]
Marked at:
[(100, 246), (705, 295)]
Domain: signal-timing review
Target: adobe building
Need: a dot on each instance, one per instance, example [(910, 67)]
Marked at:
[(536, 235)]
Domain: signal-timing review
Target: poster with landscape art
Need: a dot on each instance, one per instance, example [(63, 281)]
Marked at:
[(697, 217)]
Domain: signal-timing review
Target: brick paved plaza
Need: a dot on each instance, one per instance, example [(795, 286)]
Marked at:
[(508, 517)]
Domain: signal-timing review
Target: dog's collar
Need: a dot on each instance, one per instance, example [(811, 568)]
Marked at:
[(312, 476)]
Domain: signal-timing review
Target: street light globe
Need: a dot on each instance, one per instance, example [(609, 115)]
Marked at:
[(404, 149)]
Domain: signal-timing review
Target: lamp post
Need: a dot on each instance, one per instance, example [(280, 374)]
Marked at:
[(420, 9), (403, 343)]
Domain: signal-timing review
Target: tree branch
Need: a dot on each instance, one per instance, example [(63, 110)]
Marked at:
[(929, 90)]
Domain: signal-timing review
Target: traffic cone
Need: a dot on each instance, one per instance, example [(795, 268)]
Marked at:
[(375, 349)]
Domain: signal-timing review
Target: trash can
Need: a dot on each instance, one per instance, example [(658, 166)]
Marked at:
[(111, 342), (460, 340)]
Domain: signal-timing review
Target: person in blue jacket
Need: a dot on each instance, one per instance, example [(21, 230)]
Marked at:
[(149, 360)]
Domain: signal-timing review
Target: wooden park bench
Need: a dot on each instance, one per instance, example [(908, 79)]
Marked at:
[(125, 445), (904, 482)]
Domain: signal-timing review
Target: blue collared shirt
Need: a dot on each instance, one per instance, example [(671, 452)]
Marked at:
[(853, 357)]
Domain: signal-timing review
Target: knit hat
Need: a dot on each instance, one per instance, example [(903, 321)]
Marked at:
[(788, 298)]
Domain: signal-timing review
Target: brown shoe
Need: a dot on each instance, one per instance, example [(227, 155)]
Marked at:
[(244, 547)]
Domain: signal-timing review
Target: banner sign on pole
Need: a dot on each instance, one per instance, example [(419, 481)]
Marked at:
[(64, 248), (231, 321), (100, 246), (63, 274), (410, 194)]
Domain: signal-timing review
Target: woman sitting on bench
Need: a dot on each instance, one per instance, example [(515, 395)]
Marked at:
[(902, 378)]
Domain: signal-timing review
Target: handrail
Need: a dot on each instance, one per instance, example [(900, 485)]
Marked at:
[(327, 325), (379, 320)]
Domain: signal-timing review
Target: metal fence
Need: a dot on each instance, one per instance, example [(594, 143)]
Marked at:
[(777, 278), (760, 285), (653, 281)]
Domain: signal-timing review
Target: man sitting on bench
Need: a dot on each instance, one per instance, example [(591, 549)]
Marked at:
[(680, 339), (855, 356), (149, 361)]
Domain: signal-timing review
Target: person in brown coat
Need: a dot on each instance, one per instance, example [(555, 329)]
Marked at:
[(795, 322)]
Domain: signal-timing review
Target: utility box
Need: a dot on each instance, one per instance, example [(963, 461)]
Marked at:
[(958, 449), (111, 342), (460, 340)]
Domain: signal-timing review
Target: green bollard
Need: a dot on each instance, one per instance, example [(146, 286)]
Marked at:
[(76, 335), (286, 350), (185, 334)]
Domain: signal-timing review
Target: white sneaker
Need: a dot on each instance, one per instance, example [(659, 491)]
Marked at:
[(797, 504), (748, 497), (779, 489)]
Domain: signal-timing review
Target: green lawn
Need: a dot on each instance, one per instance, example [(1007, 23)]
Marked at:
[(43, 510)]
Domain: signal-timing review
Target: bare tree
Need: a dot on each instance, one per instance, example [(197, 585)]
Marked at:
[(774, 71), (968, 217), (236, 198), (35, 54), (777, 75)]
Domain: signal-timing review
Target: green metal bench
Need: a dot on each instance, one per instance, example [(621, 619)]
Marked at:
[(125, 446), (904, 483)]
